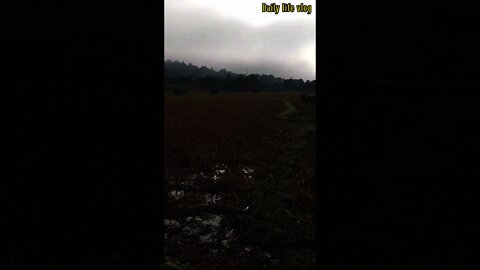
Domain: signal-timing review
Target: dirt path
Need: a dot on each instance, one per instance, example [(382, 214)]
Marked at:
[(292, 113)]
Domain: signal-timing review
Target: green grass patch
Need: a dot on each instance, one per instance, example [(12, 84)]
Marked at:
[(290, 113)]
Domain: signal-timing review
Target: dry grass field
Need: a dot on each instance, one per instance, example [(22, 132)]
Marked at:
[(240, 181)]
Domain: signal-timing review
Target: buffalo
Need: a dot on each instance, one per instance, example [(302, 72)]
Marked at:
[(213, 92)]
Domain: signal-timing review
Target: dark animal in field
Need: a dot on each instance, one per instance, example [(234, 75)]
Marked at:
[(213, 92), (179, 92), (256, 91), (308, 98)]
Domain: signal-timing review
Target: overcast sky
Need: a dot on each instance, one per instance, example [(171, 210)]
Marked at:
[(236, 35)]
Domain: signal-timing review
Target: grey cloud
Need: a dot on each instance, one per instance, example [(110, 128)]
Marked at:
[(225, 43)]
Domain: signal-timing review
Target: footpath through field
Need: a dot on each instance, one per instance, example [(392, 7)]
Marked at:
[(240, 183)]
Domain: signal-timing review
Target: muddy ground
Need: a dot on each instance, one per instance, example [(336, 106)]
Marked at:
[(240, 182)]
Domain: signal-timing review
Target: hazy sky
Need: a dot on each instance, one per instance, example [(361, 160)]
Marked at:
[(236, 35)]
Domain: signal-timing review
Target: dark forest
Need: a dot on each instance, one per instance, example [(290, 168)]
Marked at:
[(204, 78)]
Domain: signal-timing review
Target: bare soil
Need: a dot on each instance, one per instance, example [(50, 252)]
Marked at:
[(240, 182)]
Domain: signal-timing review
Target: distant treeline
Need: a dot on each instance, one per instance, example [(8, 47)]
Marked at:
[(204, 78)]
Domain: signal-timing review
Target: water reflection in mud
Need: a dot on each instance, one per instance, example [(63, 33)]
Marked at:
[(212, 198), (176, 194), (247, 172), (205, 228), (172, 223), (216, 175), (220, 168)]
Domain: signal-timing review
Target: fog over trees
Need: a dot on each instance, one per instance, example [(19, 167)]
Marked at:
[(204, 78)]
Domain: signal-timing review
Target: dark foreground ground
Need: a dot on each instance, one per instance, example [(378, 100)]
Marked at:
[(240, 181)]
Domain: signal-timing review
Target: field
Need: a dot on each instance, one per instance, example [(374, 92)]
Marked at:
[(240, 184)]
